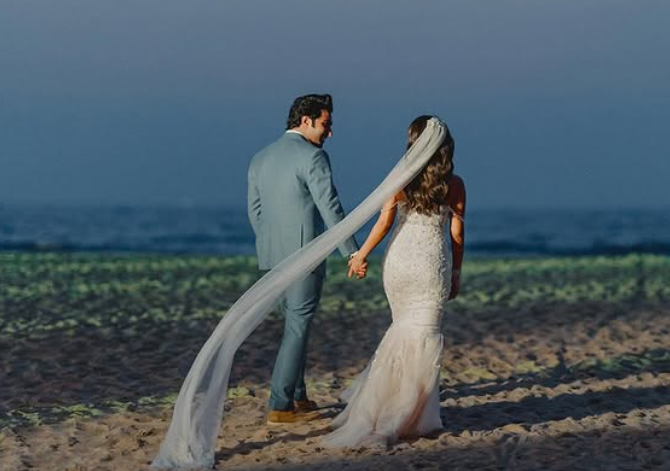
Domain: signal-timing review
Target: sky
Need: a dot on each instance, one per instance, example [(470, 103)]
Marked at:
[(552, 104)]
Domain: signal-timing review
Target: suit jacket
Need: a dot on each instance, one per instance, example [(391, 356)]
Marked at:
[(290, 197)]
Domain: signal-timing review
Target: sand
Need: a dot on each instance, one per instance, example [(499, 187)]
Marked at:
[(549, 364)]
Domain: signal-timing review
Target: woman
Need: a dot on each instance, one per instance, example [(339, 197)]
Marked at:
[(397, 395)]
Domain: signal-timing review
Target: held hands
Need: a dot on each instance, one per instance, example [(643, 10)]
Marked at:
[(358, 266)]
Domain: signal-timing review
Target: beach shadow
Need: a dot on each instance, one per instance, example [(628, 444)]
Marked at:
[(98, 368), (537, 410), (247, 447), (654, 361), (623, 448)]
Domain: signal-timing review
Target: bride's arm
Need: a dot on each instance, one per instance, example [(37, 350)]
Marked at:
[(377, 234), (457, 232)]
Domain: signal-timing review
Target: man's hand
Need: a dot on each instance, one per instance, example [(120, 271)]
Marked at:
[(358, 266)]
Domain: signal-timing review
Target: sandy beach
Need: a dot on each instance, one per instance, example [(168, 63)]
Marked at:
[(550, 363)]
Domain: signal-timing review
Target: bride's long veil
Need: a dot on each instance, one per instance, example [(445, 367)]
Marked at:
[(191, 439)]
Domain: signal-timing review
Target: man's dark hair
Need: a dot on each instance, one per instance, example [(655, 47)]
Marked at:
[(310, 106)]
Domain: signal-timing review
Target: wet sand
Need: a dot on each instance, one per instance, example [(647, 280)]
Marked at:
[(549, 364)]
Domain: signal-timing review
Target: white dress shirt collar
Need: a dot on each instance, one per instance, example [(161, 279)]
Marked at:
[(293, 131)]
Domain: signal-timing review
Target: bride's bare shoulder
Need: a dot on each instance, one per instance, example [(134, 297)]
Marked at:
[(456, 180), (456, 184), (393, 201), (400, 196), (456, 190)]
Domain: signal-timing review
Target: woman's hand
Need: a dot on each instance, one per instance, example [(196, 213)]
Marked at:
[(358, 266)]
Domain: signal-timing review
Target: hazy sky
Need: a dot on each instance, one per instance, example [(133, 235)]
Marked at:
[(551, 103)]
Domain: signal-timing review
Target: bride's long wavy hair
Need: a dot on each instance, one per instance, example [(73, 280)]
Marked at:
[(428, 191)]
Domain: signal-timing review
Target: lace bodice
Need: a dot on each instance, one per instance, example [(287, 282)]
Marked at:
[(417, 267), (407, 216)]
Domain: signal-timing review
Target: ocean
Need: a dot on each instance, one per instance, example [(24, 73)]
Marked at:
[(226, 231)]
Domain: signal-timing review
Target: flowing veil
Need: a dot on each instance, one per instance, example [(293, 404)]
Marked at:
[(191, 439)]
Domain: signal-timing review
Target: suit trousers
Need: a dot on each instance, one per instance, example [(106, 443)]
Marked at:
[(298, 307)]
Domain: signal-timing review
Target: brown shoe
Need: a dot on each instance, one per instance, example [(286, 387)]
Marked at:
[(305, 406), (279, 417)]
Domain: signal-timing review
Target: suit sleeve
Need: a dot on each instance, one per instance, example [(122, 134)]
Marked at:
[(319, 180), (253, 200)]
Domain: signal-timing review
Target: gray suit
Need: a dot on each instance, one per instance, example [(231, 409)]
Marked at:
[(291, 196)]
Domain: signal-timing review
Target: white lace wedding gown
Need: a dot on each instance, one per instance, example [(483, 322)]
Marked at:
[(397, 394)]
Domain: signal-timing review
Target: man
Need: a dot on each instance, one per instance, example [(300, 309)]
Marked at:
[(290, 196)]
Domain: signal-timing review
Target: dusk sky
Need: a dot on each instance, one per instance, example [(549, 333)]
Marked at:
[(552, 104)]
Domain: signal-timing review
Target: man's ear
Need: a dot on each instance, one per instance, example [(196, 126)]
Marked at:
[(306, 120)]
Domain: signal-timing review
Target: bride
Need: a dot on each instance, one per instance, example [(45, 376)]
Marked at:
[(397, 395), (191, 438)]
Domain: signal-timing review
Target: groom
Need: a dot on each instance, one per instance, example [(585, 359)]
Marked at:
[(290, 196)]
